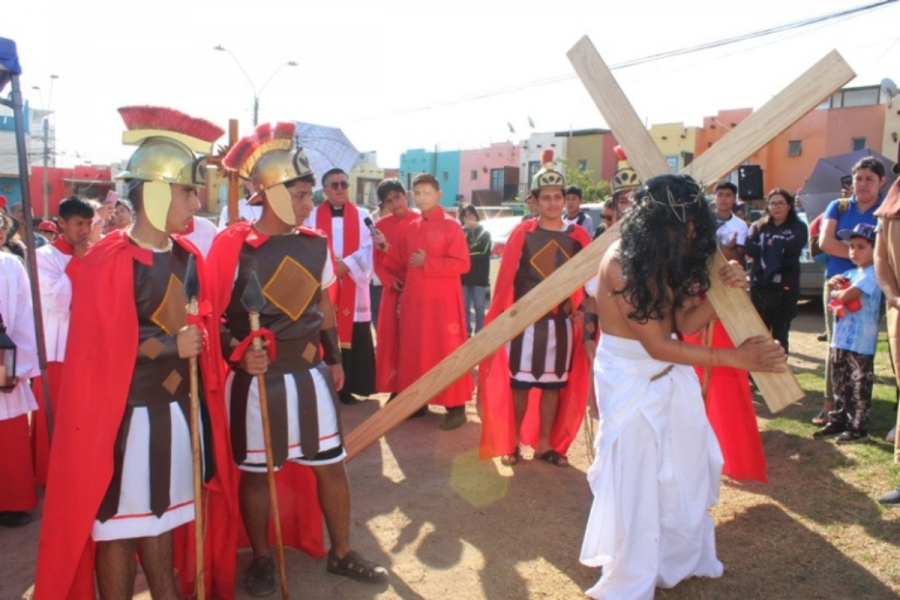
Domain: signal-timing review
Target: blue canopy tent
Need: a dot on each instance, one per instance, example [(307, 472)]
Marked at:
[(10, 70)]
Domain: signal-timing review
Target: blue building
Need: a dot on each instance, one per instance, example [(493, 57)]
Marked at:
[(443, 164)]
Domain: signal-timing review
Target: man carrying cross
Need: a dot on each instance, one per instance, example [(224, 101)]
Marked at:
[(658, 464)]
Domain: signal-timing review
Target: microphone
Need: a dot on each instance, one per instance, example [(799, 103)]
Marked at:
[(372, 230)]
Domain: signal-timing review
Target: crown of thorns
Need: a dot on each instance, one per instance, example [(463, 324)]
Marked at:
[(679, 207)]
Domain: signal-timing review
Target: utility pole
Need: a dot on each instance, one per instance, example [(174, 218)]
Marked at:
[(46, 185)]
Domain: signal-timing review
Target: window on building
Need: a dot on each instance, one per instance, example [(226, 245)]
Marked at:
[(445, 176), (533, 167), (474, 175), (582, 164), (687, 157), (673, 163), (795, 148), (497, 179), (859, 143)]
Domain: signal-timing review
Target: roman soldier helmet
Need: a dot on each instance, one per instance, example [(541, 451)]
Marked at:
[(548, 176), (268, 159), (624, 179), (171, 149)]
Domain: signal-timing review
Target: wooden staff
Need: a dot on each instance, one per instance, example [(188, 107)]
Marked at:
[(191, 291), (253, 300)]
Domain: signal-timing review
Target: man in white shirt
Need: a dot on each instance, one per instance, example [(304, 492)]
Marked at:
[(351, 242), (58, 266), (246, 212), (731, 231)]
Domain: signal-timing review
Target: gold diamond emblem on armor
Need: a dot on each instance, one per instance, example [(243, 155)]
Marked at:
[(549, 258), (291, 288), (172, 382), (151, 348), (171, 314)]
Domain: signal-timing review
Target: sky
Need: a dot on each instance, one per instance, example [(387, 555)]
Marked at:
[(397, 75)]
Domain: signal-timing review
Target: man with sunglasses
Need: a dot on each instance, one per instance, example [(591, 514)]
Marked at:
[(351, 242)]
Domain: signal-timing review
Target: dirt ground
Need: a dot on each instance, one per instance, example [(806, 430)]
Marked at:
[(451, 526)]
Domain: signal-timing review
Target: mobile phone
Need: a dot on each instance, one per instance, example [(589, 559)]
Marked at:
[(847, 181)]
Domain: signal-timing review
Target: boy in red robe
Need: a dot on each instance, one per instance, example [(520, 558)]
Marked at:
[(430, 260), (120, 479), (535, 388), (393, 227)]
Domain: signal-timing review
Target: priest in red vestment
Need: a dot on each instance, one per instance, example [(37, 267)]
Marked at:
[(430, 260)]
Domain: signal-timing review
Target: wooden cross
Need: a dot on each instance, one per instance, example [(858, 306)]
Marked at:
[(234, 180), (732, 305)]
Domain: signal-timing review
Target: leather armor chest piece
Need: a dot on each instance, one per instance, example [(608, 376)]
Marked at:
[(160, 376), (544, 251), (288, 268)]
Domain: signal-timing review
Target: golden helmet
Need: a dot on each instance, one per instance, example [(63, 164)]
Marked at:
[(625, 179), (267, 158), (167, 141), (548, 176)]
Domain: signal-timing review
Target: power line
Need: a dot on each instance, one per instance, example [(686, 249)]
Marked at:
[(638, 61)]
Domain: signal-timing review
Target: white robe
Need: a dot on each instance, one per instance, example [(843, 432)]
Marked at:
[(56, 299), (655, 475), (16, 309)]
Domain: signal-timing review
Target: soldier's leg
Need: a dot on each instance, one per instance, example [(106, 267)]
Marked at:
[(157, 563), (115, 566)]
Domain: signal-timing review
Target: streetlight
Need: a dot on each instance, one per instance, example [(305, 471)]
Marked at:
[(256, 93)]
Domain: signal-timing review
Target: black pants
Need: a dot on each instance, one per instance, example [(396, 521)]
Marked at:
[(777, 308), (853, 376), (375, 302), (359, 364)]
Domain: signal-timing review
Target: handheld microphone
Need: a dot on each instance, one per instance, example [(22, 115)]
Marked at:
[(372, 230)]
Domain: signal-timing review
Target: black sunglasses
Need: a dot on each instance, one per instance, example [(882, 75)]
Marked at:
[(337, 185)]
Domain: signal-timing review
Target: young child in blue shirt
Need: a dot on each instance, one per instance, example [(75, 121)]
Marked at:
[(857, 299)]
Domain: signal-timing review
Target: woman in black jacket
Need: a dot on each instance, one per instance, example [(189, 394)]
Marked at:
[(775, 243), (475, 283)]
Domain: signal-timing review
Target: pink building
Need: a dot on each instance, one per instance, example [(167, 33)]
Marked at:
[(489, 176)]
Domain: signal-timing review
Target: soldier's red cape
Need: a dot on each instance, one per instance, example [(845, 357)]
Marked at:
[(103, 339), (498, 423), (729, 408), (298, 502)]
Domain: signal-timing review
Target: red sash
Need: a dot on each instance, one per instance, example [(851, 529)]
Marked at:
[(345, 307)]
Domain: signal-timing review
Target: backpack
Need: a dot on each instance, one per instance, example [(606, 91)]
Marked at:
[(814, 250)]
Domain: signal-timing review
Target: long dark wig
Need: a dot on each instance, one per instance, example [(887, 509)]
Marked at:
[(662, 264)]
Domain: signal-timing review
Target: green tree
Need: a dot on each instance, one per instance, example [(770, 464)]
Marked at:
[(591, 192)]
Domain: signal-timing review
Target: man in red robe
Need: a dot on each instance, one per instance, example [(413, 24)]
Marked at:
[(534, 389), (58, 266), (393, 227), (430, 259), (120, 477)]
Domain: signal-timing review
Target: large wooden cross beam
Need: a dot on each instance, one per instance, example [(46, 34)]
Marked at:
[(733, 306)]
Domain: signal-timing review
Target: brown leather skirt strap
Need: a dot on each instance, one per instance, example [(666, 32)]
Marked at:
[(160, 457), (110, 504)]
